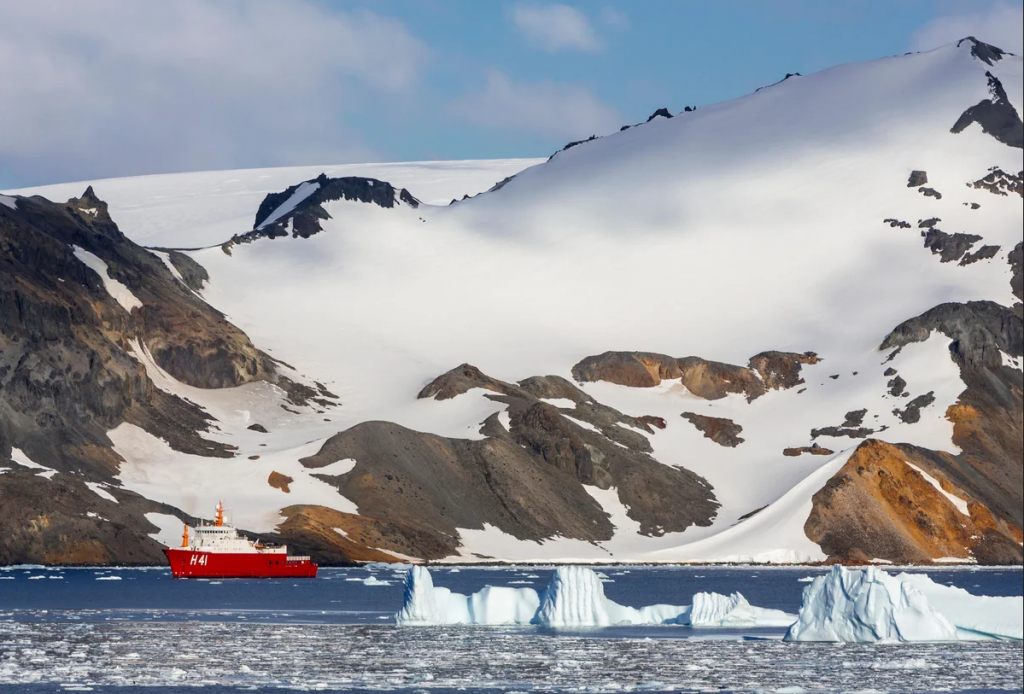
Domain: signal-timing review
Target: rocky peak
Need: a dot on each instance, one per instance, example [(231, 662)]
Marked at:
[(984, 52)]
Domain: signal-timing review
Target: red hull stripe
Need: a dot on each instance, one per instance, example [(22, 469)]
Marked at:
[(186, 563)]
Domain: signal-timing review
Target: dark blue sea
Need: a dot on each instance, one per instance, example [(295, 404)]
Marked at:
[(139, 630)]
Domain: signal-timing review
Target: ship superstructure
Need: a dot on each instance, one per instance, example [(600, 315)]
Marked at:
[(217, 550)]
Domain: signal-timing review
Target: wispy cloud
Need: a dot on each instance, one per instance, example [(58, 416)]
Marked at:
[(549, 109), (999, 24), (556, 27), (116, 87)]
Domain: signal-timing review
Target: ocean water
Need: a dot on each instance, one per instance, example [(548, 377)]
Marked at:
[(139, 630)]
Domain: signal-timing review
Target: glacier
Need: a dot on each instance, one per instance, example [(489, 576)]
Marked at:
[(871, 606), (573, 598)]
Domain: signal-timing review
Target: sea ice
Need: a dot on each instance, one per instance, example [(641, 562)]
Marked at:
[(573, 598)]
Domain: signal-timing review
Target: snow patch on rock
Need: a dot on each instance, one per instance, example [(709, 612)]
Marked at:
[(122, 294)]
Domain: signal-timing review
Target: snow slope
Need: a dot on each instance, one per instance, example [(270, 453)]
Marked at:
[(744, 226)]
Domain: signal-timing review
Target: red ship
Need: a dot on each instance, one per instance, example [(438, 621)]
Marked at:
[(218, 551)]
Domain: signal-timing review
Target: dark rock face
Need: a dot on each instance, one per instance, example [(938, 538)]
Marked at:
[(852, 432), (854, 418), (930, 193), (996, 116), (526, 480), (917, 178), (660, 113), (193, 274), (306, 216), (1016, 260), (949, 247), (984, 52), (998, 182), (928, 223), (896, 223), (897, 386), (983, 253), (911, 414), (724, 432), (68, 374), (878, 507), (46, 521), (710, 380), (979, 331), (258, 427)]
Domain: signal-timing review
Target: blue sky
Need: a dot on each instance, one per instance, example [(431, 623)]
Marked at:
[(213, 84)]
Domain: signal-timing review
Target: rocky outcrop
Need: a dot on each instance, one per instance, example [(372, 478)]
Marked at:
[(983, 253), (980, 331), (526, 480), (333, 537), (917, 178), (949, 247), (813, 449), (984, 52), (80, 307), (998, 182), (1016, 260), (996, 116), (987, 417), (879, 507), (298, 210), (61, 521), (279, 481), (724, 432), (710, 380)]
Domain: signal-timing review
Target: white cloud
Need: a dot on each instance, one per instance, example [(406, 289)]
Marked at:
[(549, 109), (1000, 24), (115, 87), (555, 27)]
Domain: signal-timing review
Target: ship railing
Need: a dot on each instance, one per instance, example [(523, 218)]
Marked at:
[(297, 559)]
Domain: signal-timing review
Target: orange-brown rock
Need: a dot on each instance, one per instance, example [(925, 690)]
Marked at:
[(279, 481), (634, 369), (879, 507), (334, 537)]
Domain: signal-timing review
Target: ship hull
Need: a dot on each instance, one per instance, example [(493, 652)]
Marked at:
[(187, 563)]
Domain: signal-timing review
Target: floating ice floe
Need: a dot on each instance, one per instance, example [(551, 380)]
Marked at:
[(869, 605), (574, 598)]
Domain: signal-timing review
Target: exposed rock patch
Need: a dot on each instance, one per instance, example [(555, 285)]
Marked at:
[(984, 52), (258, 427), (897, 386), (813, 449), (526, 480), (983, 253), (927, 223), (1016, 260), (279, 481), (710, 380), (996, 116), (930, 193), (304, 218), (917, 178), (998, 182), (911, 414), (724, 432), (949, 247), (896, 223)]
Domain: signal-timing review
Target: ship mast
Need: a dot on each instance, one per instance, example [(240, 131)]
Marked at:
[(220, 514), (184, 537)]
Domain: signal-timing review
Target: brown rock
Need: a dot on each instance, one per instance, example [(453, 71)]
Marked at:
[(878, 507), (813, 449), (279, 481), (724, 432)]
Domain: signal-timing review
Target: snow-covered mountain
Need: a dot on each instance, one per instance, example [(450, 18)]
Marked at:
[(781, 328)]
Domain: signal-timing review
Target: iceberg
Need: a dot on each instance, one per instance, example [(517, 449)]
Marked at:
[(574, 598), (869, 606)]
